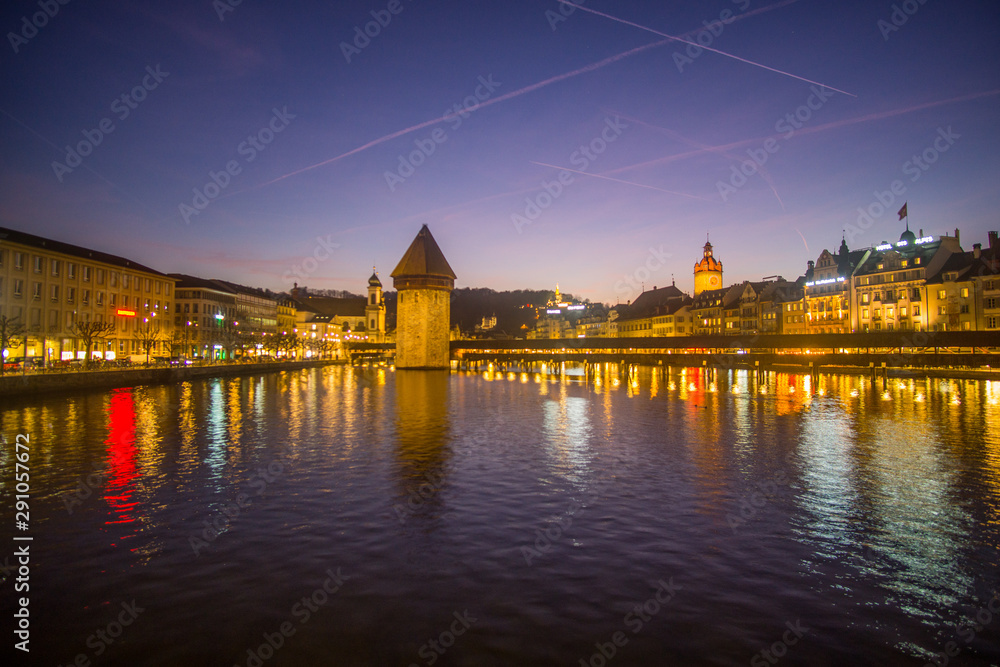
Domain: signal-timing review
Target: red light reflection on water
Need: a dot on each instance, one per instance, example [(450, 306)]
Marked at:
[(121, 456)]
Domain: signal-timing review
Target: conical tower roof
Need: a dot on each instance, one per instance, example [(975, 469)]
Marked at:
[(423, 264)]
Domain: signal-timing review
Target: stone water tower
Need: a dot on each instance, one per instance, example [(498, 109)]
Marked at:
[(423, 280)]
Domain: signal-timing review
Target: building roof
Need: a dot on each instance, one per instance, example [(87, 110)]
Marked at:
[(708, 262), (374, 281), (22, 238), (423, 258), (331, 306), (189, 282), (662, 301)]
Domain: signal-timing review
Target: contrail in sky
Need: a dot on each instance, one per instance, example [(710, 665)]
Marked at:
[(616, 180), (707, 48), (503, 98), (808, 130)]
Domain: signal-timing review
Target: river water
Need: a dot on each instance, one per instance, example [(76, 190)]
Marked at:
[(365, 516)]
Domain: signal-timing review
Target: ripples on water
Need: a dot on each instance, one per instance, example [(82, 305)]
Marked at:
[(544, 507)]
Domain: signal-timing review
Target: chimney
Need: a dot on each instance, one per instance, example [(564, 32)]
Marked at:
[(993, 240), (977, 250), (957, 237), (921, 234), (295, 290)]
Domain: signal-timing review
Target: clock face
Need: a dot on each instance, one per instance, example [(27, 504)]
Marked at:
[(715, 280)]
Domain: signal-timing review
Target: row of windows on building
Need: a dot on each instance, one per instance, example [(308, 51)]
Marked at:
[(86, 273), (71, 294)]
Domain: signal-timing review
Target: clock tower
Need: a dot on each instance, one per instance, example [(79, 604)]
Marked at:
[(707, 272)]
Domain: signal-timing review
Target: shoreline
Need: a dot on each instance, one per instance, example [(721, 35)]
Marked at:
[(46, 383)]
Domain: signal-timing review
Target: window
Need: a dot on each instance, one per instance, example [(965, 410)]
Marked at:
[(86, 274), (147, 284), (195, 309), (902, 311), (889, 294), (166, 289), (70, 270), (19, 260), (864, 298), (187, 307), (70, 294), (54, 292), (864, 313), (111, 299), (991, 302), (916, 310), (942, 310), (3, 256), (964, 309), (55, 266), (889, 312), (125, 280), (38, 261), (992, 322), (100, 276), (904, 263), (18, 286), (100, 298), (942, 294), (158, 286), (36, 291), (915, 295), (113, 279), (86, 297), (965, 292)]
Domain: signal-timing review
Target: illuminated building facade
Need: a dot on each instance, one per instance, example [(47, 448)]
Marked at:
[(424, 280), (707, 272), (48, 286), (889, 288)]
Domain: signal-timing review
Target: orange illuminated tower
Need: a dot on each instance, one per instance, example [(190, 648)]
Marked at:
[(424, 281), (707, 272)]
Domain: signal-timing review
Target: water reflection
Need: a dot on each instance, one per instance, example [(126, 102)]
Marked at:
[(422, 440), (121, 467)]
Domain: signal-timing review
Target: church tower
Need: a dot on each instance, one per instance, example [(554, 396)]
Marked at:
[(707, 272), (375, 310), (423, 280)]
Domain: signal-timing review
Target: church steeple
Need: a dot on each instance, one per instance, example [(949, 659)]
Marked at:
[(707, 272)]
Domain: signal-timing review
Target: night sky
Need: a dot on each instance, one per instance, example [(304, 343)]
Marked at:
[(312, 118)]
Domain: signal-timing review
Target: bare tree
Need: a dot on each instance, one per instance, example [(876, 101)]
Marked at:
[(90, 332), (10, 329), (147, 335)]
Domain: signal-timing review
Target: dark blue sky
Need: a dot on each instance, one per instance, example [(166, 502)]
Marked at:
[(665, 130)]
